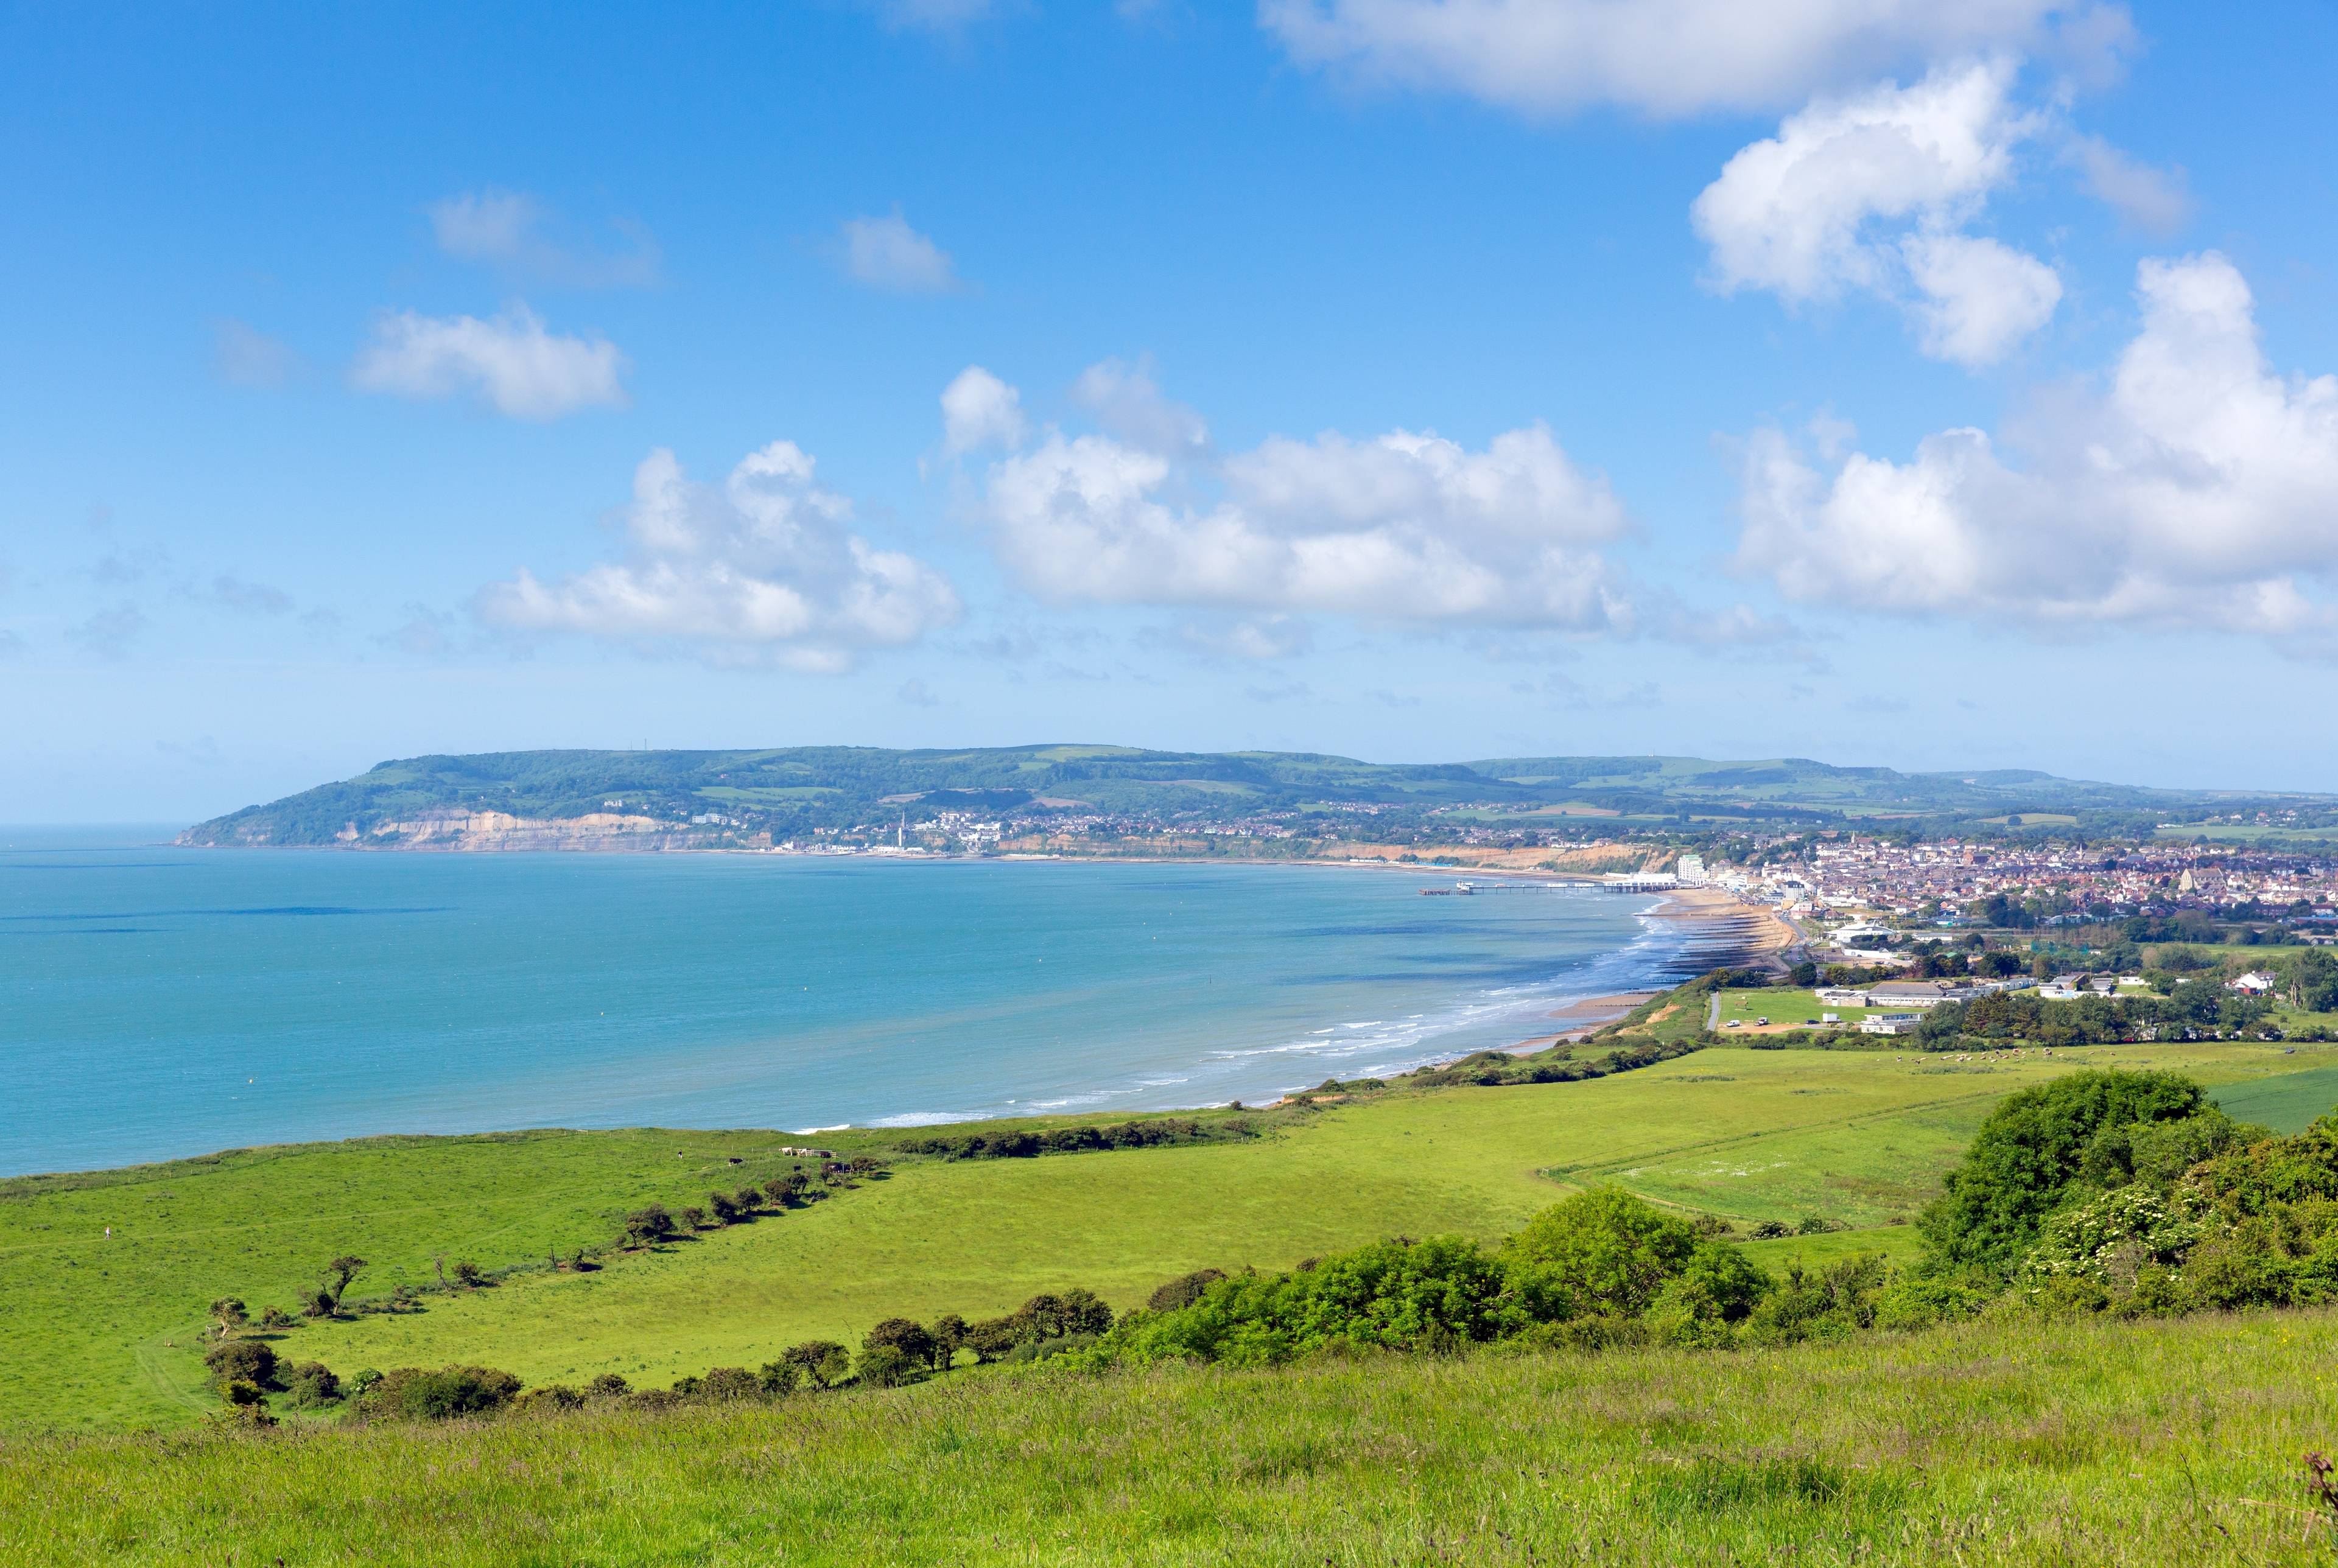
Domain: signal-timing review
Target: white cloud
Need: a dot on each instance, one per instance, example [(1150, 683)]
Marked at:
[(979, 410), (512, 362), (1128, 403), (243, 356), (887, 253), (1869, 192), (514, 231), (2196, 487), (1403, 527), (1976, 298), (1667, 57), (761, 567), (2152, 200)]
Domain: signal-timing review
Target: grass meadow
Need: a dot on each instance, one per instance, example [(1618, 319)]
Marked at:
[(1786, 1008), (2027, 1442), (105, 1332)]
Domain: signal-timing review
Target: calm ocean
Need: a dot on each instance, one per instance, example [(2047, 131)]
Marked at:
[(158, 1002)]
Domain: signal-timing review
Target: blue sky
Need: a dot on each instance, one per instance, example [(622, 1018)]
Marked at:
[(1408, 378)]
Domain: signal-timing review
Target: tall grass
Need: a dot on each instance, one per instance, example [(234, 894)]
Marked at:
[(2028, 1443)]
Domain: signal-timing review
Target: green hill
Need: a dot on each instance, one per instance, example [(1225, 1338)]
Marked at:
[(2112, 1445), (805, 791)]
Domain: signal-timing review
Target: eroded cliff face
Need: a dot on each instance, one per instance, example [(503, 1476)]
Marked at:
[(491, 830)]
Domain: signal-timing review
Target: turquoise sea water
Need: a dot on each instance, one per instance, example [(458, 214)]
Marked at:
[(157, 1002)]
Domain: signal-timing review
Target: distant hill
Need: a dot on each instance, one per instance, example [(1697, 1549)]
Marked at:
[(677, 799)]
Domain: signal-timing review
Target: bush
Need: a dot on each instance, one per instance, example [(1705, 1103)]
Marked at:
[(888, 1367), (729, 1385), (823, 1363), (247, 1404), (1184, 1290), (1399, 1295), (607, 1385), (467, 1275), (413, 1394), (911, 1341), (252, 1361), (311, 1384), (647, 1227), (2031, 1148), (1051, 1316), (1600, 1251)]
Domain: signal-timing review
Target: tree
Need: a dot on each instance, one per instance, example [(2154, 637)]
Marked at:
[(748, 1199), (888, 1367), (913, 1341), (251, 1361), (824, 1362), (648, 1227), (1804, 974), (1051, 1315), (338, 1274), (992, 1339), (726, 1211), (227, 1315), (948, 1332)]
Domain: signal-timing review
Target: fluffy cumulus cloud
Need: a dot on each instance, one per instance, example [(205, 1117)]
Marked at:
[(1667, 57), (1403, 527), (511, 363), (885, 253), (762, 567), (980, 410), (1872, 193), (2194, 487)]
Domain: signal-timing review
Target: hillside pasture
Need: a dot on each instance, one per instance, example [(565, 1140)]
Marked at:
[(2111, 1444)]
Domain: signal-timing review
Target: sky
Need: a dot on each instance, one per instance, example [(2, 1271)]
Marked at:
[(1881, 382)]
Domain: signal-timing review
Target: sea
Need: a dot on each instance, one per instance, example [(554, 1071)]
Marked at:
[(158, 1002)]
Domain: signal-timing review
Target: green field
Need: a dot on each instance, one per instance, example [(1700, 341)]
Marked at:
[(1786, 1005), (2286, 1103), (104, 1332), (2020, 1442)]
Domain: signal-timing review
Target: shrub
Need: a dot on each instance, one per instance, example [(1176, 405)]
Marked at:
[(227, 1315), (1398, 1295), (2031, 1149), (467, 1275), (915, 1344), (413, 1394), (1184, 1290), (252, 1361), (887, 1367), (1603, 1250), (1051, 1316), (726, 1211), (779, 1378), (607, 1385), (276, 1317), (312, 1383), (823, 1362), (247, 1404), (992, 1339), (729, 1385), (647, 1227)]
